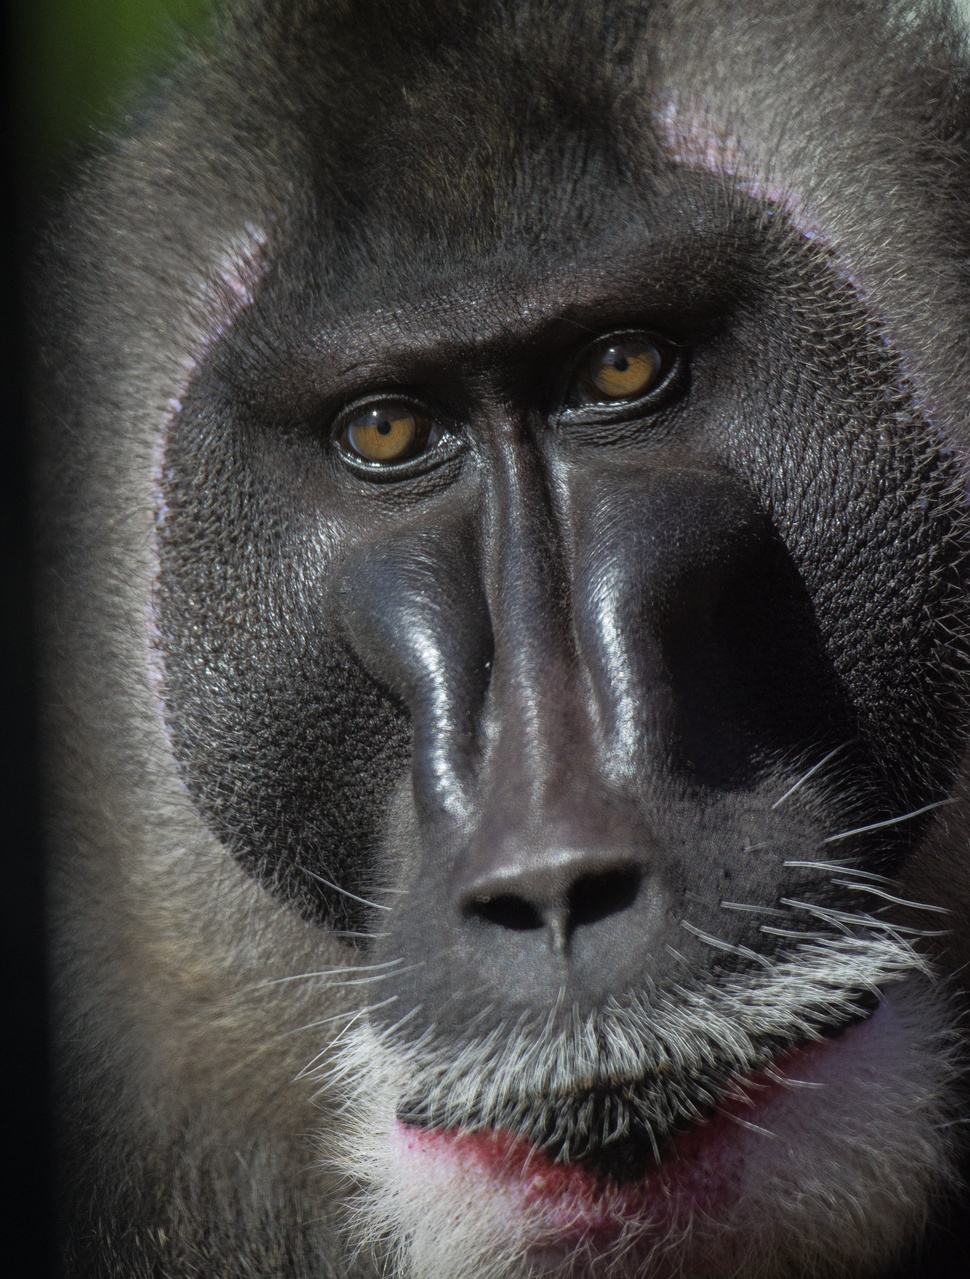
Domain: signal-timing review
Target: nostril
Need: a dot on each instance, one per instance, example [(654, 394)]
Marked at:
[(597, 896), (588, 899), (507, 911)]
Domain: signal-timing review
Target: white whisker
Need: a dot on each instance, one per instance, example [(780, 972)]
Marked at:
[(751, 907), (890, 897), (343, 1015), (806, 776), (890, 821), (848, 922), (358, 1013), (330, 972), (839, 866), (373, 977), (345, 892), (746, 1123)]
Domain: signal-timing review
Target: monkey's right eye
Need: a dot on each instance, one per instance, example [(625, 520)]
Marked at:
[(622, 370), (387, 434)]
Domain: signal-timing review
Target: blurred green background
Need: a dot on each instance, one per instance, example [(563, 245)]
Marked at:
[(78, 59)]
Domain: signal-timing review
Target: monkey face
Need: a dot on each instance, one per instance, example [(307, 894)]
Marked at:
[(557, 604), (559, 651)]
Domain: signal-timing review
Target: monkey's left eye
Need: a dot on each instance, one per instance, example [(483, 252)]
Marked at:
[(387, 434), (621, 369)]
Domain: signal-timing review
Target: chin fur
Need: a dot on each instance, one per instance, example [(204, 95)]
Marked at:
[(829, 1173)]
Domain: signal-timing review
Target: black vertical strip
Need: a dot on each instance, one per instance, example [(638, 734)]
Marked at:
[(25, 1132)]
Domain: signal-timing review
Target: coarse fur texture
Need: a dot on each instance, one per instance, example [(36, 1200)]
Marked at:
[(504, 478)]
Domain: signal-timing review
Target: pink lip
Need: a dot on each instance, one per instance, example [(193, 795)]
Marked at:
[(702, 1171)]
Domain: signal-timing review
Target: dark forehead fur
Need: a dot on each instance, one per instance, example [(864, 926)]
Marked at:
[(410, 132), (462, 103)]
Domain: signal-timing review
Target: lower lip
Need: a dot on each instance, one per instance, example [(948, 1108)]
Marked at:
[(703, 1169)]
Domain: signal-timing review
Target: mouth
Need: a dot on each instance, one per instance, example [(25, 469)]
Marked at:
[(640, 1181), (626, 1132)]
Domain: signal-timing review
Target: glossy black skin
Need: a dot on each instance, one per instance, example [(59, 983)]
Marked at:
[(524, 691)]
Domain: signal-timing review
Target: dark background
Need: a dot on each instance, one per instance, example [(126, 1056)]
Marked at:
[(67, 67), (77, 60)]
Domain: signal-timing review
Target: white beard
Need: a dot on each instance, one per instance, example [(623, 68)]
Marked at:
[(828, 1175)]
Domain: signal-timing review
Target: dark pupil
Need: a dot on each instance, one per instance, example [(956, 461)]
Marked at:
[(384, 426), (619, 362)]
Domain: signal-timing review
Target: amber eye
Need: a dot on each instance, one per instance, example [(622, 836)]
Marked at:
[(622, 367), (386, 433)]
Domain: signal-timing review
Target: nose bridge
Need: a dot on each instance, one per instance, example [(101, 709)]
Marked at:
[(537, 715), (552, 846)]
